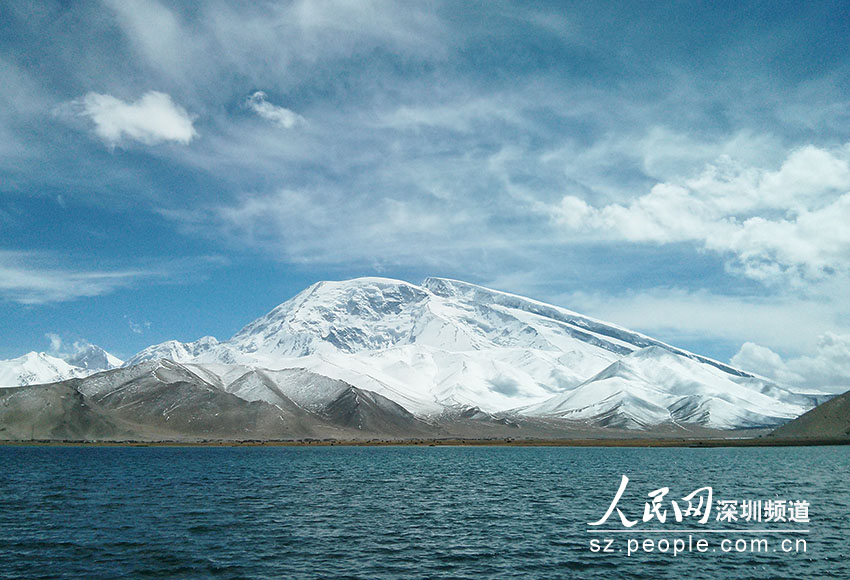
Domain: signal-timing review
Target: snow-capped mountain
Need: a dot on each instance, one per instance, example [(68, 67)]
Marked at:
[(448, 344), (36, 368)]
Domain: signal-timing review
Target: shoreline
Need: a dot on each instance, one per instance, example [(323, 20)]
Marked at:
[(449, 442)]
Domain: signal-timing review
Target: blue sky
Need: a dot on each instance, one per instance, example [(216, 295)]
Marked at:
[(172, 170)]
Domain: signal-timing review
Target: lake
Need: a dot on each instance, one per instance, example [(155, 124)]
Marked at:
[(414, 512)]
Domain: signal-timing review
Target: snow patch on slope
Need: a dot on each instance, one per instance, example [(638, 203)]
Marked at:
[(654, 385)]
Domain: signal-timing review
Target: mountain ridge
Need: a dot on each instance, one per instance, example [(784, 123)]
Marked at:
[(35, 368), (368, 352)]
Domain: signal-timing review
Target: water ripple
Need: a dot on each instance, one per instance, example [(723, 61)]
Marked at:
[(387, 513)]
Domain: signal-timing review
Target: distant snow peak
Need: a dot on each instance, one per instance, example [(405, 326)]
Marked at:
[(36, 368), (174, 350), (93, 358)]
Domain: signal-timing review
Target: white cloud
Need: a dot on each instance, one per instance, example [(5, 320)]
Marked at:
[(782, 225), (761, 360), (62, 348), (25, 278), (32, 278), (137, 327), (153, 119), (282, 42), (788, 323), (155, 32), (55, 342), (828, 368), (333, 24), (331, 227), (667, 155), (20, 100), (463, 113), (279, 115)]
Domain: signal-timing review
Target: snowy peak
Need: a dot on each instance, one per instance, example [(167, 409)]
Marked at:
[(93, 358), (370, 314), (361, 314), (174, 350), (36, 368)]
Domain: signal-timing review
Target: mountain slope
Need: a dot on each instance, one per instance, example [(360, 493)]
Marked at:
[(829, 420), (161, 399), (654, 385), (53, 411)]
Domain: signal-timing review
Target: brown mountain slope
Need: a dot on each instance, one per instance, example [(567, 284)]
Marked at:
[(830, 420)]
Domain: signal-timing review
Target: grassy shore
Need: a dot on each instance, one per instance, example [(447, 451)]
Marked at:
[(508, 442)]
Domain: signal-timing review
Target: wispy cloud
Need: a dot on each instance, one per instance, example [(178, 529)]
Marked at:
[(219, 39), (137, 327), (326, 226), (21, 101), (153, 119), (34, 278)]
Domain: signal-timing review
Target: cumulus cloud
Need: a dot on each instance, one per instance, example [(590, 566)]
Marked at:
[(152, 119), (763, 361), (787, 224), (278, 115), (828, 368)]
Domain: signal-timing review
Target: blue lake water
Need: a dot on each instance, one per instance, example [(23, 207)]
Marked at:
[(400, 512)]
